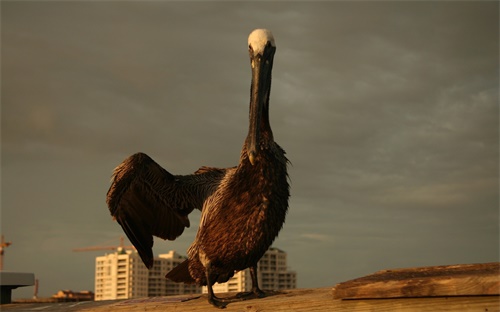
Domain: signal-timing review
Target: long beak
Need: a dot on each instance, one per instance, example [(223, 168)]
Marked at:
[(259, 95), (255, 112)]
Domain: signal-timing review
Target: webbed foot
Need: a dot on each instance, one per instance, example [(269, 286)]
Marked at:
[(259, 293), (256, 293), (217, 303)]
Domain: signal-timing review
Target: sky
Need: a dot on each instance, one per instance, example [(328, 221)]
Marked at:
[(388, 112)]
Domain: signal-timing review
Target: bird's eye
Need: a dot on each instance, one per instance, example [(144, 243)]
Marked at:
[(268, 44)]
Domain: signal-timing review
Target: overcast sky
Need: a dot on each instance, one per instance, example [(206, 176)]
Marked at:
[(388, 112)]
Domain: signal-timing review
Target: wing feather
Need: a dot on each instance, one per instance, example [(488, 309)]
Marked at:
[(148, 201)]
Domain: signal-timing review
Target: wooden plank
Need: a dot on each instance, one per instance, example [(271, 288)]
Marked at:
[(319, 299), (445, 288), (435, 281)]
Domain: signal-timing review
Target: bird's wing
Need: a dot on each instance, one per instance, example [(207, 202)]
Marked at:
[(147, 200)]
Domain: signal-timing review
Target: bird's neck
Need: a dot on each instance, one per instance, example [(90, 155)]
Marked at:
[(266, 134), (265, 125)]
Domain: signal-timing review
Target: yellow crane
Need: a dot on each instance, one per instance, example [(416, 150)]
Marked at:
[(3, 245), (119, 248)]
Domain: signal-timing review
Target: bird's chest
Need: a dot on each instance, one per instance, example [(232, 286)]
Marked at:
[(257, 197), (249, 214), (248, 208)]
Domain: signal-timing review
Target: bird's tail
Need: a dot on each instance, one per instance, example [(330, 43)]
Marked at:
[(180, 274)]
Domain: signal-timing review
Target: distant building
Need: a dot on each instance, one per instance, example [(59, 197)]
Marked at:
[(69, 295), (122, 275), (272, 274)]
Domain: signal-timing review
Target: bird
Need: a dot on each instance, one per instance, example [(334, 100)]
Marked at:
[(243, 208)]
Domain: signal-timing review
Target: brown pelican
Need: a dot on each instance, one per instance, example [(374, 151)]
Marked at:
[(243, 207)]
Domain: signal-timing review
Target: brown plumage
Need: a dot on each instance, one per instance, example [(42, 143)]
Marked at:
[(243, 207)]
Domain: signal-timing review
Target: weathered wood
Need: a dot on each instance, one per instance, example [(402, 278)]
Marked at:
[(436, 281), (319, 299), (445, 288)]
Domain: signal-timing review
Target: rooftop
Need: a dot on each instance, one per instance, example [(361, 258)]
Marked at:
[(474, 287)]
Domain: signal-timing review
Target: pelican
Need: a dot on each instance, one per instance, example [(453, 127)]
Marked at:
[(243, 208)]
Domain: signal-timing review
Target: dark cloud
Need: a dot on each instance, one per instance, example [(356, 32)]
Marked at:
[(387, 110)]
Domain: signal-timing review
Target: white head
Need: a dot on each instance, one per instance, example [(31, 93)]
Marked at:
[(258, 40)]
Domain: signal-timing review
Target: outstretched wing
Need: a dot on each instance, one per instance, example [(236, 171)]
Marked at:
[(147, 200)]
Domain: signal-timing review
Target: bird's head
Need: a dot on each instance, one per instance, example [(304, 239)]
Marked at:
[(261, 48)]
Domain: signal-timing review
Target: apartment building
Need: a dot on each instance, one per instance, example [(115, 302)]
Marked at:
[(122, 275)]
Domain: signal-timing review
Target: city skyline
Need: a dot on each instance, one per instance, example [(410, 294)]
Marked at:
[(121, 275)]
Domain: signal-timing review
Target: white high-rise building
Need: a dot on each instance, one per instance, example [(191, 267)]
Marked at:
[(272, 274), (122, 275)]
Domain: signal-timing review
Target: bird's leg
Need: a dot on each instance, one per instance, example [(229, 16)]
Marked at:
[(212, 299), (256, 291), (255, 283), (220, 303)]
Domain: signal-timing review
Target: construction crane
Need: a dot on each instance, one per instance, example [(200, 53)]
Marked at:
[(3, 245), (119, 248)]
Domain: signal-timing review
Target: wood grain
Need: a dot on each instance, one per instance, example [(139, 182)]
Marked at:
[(436, 281), (318, 299), (471, 287)]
